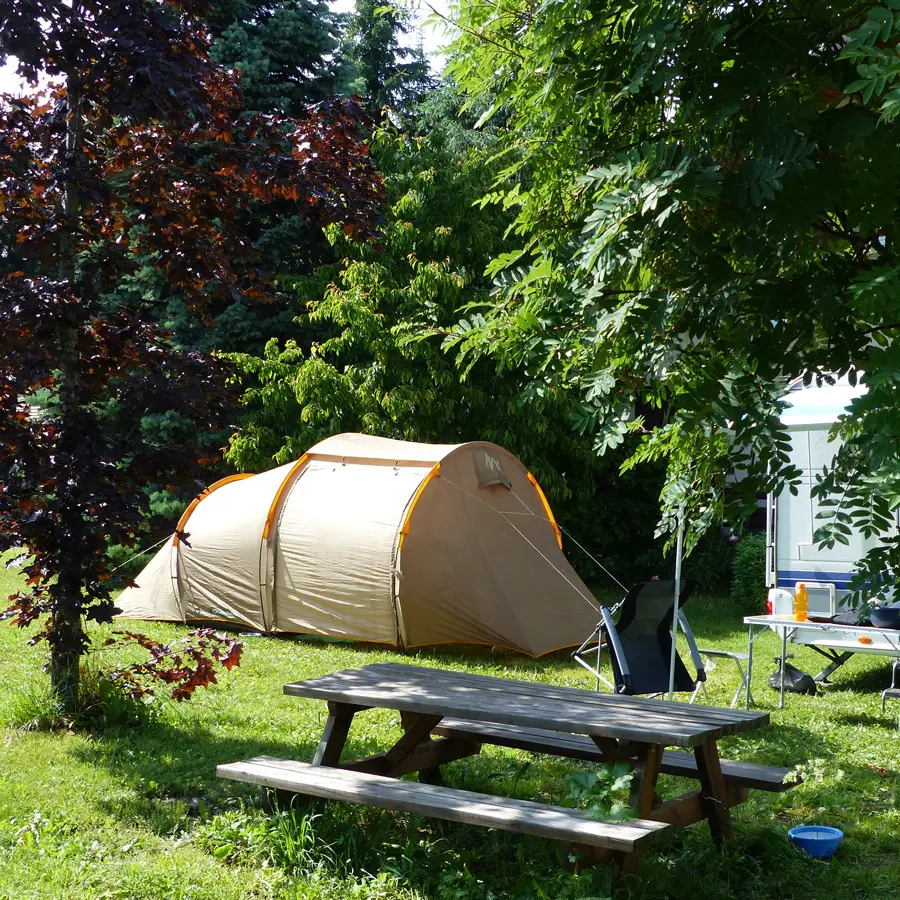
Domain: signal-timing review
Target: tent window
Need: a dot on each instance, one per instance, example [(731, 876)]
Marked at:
[(488, 470)]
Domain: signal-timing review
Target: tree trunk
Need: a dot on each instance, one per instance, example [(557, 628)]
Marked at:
[(67, 634), (65, 657)]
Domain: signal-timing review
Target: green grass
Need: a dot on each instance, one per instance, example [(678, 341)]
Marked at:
[(138, 813)]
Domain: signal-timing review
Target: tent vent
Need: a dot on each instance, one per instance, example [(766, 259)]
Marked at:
[(488, 471)]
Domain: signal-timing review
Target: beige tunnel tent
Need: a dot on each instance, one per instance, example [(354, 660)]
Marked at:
[(373, 539)]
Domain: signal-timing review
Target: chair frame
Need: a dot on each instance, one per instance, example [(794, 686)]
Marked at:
[(892, 692), (743, 684), (594, 646)]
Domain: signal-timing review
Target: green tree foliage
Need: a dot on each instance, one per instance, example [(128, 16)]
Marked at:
[(369, 371), (284, 50), (286, 55), (137, 149), (706, 200), (748, 583), (378, 67)]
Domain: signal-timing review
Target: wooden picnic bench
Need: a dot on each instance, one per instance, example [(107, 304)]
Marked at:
[(448, 715)]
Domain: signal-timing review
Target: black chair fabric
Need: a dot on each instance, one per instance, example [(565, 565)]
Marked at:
[(645, 634)]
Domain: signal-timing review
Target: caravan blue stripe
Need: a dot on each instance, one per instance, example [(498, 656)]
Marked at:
[(789, 578)]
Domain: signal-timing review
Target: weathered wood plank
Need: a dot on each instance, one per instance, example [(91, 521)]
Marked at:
[(523, 816), (535, 740), (428, 690), (745, 774), (691, 710), (416, 731), (681, 811), (643, 792), (449, 700), (576, 746), (611, 749), (427, 774), (439, 678)]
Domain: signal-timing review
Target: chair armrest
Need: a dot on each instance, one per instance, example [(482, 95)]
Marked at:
[(692, 645), (609, 626)]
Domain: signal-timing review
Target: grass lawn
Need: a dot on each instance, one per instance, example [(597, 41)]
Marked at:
[(138, 812)]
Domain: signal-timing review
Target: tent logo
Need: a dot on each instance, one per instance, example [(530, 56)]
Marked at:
[(489, 471)]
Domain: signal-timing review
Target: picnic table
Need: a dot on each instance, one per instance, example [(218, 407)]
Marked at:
[(448, 715)]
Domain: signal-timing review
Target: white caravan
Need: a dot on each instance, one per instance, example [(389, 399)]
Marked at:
[(791, 555)]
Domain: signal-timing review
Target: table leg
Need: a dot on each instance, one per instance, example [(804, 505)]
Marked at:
[(340, 717), (749, 664), (643, 795), (643, 785), (715, 795), (783, 667), (416, 733), (647, 762), (328, 753), (836, 661)]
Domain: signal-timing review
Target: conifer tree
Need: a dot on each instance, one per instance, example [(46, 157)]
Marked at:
[(285, 51), (379, 67)]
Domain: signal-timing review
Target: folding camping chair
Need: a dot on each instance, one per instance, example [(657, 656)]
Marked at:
[(640, 642)]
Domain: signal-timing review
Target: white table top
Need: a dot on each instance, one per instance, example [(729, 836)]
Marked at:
[(885, 641)]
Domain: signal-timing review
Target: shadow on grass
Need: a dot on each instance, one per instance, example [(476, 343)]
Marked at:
[(781, 744), (888, 721), (171, 770), (871, 680)]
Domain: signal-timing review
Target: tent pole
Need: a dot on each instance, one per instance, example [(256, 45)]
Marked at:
[(679, 546)]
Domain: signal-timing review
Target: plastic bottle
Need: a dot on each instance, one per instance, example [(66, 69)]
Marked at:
[(801, 604)]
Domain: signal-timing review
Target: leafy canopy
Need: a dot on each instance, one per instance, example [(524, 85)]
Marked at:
[(285, 51), (365, 367), (377, 66), (706, 200)]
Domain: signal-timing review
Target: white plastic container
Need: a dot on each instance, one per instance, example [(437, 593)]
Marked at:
[(780, 603)]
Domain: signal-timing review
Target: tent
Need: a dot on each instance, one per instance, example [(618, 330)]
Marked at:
[(372, 539)]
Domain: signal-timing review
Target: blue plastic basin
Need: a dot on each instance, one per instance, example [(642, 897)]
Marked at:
[(819, 841)]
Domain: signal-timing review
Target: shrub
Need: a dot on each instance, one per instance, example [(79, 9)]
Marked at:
[(126, 563), (748, 583), (708, 566)]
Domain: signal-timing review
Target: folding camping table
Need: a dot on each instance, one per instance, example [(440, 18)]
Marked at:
[(836, 642), (447, 715)]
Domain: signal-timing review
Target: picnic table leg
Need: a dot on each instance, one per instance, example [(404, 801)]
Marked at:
[(712, 783), (337, 726), (416, 724), (328, 753), (416, 733), (643, 799), (643, 795)]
